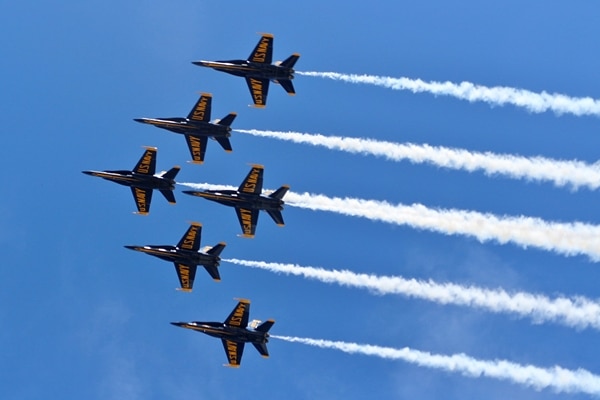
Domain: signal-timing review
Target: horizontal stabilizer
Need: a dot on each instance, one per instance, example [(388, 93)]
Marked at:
[(169, 195), (265, 326), (213, 272), (277, 217), (228, 119), (224, 142), (290, 61), (287, 85), (217, 249), (262, 349), (171, 174), (279, 193)]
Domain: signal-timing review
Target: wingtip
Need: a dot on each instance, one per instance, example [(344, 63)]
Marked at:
[(265, 34), (185, 290), (195, 162), (241, 300), (150, 148), (141, 212)]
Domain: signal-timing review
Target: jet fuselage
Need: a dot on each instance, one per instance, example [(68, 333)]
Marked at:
[(178, 255), (234, 198), (224, 331), (188, 127), (249, 69), (132, 178)]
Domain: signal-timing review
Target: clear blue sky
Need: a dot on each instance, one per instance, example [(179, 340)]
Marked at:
[(81, 316)]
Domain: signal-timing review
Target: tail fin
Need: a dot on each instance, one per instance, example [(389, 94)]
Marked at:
[(228, 119), (290, 61), (279, 193), (217, 249), (172, 173), (287, 85), (265, 326), (168, 195)]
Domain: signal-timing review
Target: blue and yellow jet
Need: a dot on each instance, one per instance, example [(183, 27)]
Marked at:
[(197, 127), (143, 180), (234, 332), (258, 70), (186, 256), (247, 200)]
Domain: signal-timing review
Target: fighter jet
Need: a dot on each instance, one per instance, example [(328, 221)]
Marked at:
[(247, 200), (234, 332), (186, 256), (143, 180), (258, 70), (197, 127)]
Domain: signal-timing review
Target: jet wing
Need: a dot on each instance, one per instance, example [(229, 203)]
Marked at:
[(259, 89), (142, 198), (186, 275), (240, 314), (201, 111), (191, 238), (147, 164), (248, 220), (263, 52), (197, 146), (234, 351), (253, 182)]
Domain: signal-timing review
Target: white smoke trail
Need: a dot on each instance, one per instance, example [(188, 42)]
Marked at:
[(575, 238), (561, 173), (577, 312), (497, 95), (557, 378)]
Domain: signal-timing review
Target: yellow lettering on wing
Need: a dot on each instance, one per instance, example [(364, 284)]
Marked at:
[(251, 181), (200, 109), (184, 275), (195, 148), (188, 241), (144, 166), (246, 219), (238, 314), (261, 50), (257, 91), (140, 199), (232, 352)]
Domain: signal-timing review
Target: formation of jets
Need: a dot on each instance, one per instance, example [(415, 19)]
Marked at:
[(247, 200)]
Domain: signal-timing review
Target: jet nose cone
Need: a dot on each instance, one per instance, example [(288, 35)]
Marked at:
[(131, 247), (179, 324), (142, 120), (88, 172), (199, 63)]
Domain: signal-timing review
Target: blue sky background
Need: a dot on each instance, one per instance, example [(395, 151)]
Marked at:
[(83, 317)]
